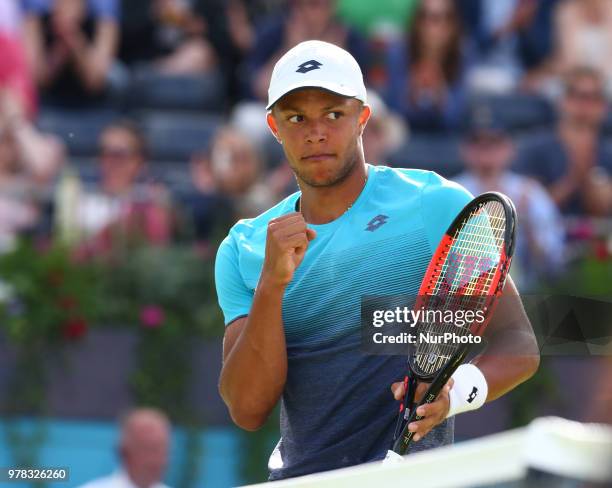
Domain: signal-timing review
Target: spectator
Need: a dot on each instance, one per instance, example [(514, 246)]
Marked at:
[(370, 17), (15, 74), (426, 76), (488, 151), (384, 133), (143, 452), (583, 34), (71, 46), (304, 20), (168, 35), (227, 183), (572, 162), (512, 36), (29, 162), (122, 207)]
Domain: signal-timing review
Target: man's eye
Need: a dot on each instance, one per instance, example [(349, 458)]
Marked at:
[(296, 118), (334, 115)]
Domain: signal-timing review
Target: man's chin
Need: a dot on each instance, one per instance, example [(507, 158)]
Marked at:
[(322, 177)]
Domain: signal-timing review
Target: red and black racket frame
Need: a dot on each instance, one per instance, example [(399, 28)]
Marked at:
[(407, 410)]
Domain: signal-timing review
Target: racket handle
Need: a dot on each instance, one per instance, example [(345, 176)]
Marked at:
[(409, 388), (401, 444)]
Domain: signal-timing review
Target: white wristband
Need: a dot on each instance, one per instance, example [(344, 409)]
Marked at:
[(469, 391)]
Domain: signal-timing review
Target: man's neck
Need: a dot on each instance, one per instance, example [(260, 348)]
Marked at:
[(569, 130), (321, 205), (490, 179)]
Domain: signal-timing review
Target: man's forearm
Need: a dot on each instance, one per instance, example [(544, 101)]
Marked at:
[(254, 372), (512, 354), (509, 361)]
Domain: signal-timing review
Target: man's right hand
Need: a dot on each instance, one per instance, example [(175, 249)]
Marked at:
[(286, 244)]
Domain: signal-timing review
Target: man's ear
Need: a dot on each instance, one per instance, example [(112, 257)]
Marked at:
[(364, 116), (273, 127)]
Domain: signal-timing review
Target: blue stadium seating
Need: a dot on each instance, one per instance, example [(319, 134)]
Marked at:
[(150, 90), (438, 153), (518, 111), (175, 136), (607, 126), (79, 129)]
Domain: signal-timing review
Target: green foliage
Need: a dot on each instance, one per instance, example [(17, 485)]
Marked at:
[(259, 445), (589, 276), (49, 298)]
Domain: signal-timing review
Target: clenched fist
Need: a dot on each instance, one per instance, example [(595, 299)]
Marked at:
[(286, 244)]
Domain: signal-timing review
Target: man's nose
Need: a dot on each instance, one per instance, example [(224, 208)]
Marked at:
[(317, 132)]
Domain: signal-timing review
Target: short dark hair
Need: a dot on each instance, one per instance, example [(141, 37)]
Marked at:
[(581, 72), (132, 127)]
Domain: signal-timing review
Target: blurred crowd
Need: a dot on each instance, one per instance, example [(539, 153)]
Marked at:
[(145, 119)]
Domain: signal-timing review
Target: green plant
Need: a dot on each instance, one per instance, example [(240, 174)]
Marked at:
[(49, 298)]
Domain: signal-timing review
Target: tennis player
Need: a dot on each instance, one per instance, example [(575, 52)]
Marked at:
[(290, 282)]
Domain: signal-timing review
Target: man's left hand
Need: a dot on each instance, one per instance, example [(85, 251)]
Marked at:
[(433, 414)]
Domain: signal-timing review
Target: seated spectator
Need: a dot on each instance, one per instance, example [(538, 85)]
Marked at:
[(71, 46), (29, 162), (143, 452), (488, 151), (384, 133), (169, 36), (227, 185), (583, 34), (369, 16), (572, 161), (303, 20), (426, 76), (512, 37), (15, 73), (122, 208)]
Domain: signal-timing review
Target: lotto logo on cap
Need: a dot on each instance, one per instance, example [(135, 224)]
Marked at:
[(316, 64)]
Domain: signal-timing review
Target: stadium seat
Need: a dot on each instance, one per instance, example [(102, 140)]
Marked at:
[(87, 169), (173, 174), (518, 111), (607, 125), (173, 136), (151, 90), (273, 153), (79, 129), (438, 153)]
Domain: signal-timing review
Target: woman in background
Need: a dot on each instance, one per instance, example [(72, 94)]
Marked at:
[(426, 75), (71, 45)]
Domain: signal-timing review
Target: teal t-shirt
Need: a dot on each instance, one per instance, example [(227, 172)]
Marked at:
[(366, 15), (336, 408)]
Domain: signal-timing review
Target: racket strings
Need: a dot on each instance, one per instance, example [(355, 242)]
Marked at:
[(464, 281)]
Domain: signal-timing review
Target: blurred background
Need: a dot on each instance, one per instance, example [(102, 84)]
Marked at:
[(133, 135)]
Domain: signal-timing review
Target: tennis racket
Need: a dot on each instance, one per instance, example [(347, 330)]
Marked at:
[(467, 272)]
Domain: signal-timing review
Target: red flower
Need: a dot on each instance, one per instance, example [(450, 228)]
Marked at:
[(152, 316), (55, 277), (67, 303), (74, 328), (601, 250)]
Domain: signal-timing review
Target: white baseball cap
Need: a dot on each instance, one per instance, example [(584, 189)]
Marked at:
[(316, 64)]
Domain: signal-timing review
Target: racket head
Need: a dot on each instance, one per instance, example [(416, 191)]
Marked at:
[(467, 272)]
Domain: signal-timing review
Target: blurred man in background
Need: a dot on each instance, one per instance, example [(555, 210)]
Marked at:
[(122, 207), (572, 161), (488, 151), (143, 451), (29, 162), (384, 133), (71, 46), (302, 20)]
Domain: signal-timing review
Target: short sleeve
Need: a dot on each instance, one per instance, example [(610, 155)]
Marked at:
[(36, 6), (441, 202), (235, 298), (105, 9)]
